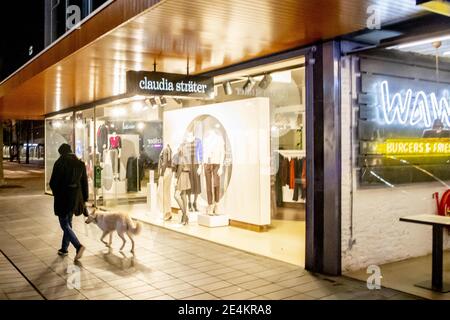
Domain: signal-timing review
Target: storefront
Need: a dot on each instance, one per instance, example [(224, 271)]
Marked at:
[(395, 159), (218, 157)]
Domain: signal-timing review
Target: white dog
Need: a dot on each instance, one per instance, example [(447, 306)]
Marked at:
[(109, 222)]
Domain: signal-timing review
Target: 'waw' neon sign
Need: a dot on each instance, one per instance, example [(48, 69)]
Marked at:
[(405, 111)]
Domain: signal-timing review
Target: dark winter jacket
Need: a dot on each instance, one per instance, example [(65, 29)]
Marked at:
[(69, 184)]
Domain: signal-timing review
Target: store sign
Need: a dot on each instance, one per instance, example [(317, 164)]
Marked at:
[(169, 84), (392, 147), (414, 108)]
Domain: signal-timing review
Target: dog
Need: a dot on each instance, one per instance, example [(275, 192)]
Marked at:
[(109, 222)]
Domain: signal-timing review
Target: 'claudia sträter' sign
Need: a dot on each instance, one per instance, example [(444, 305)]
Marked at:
[(169, 84)]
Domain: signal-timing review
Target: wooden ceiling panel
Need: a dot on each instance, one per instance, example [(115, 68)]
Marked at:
[(90, 64)]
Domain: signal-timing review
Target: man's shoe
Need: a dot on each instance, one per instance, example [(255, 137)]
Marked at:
[(62, 253), (80, 252)]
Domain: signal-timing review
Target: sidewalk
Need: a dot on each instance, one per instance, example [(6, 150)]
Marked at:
[(167, 265)]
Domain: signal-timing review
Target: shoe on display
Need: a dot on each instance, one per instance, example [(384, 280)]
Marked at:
[(80, 252), (194, 205), (62, 253)]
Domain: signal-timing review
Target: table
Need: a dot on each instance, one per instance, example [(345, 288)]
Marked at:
[(438, 223)]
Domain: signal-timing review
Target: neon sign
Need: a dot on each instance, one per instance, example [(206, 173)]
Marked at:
[(432, 146), (414, 109)]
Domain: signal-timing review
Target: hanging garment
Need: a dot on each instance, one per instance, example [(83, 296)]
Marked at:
[(298, 178), (167, 182), (132, 174), (102, 138), (303, 177), (113, 156), (190, 149), (115, 142), (279, 181), (284, 174), (212, 183), (292, 174)]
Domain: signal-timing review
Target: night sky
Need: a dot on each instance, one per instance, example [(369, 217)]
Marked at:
[(22, 25)]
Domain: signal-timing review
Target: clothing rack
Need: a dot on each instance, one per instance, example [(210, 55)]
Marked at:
[(292, 153)]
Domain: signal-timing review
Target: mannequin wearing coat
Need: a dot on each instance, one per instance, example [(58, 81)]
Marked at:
[(213, 161)]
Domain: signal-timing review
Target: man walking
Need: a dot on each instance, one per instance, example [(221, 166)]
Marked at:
[(70, 190)]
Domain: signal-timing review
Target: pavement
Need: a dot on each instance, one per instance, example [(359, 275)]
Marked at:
[(166, 265)]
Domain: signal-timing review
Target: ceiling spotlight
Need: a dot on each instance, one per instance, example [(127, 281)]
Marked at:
[(177, 100), (153, 103), (265, 82), (249, 84), (163, 101), (227, 88)]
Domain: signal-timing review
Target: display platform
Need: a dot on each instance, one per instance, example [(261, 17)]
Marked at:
[(213, 221)]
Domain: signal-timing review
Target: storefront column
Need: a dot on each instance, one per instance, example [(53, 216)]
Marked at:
[(323, 226)]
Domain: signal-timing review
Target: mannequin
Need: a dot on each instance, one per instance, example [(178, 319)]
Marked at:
[(213, 160), (115, 147), (193, 150), (165, 178), (183, 184)]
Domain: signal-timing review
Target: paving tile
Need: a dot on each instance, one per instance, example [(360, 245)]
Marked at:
[(90, 294), (243, 295), (231, 275), (215, 285), (163, 297), (147, 295), (242, 279), (203, 281), (76, 296), (137, 290), (202, 296), (186, 293), (254, 284), (267, 289), (21, 295), (226, 291), (313, 285), (176, 288), (110, 296), (282, 294), (167, 283)]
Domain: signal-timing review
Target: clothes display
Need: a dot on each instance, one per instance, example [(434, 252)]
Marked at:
[(300, 178), (166, 181), (102, 138), (292, 172), (112, 157), (115, 142), (135, 174), (212, 183), (213, 159), (193, 151), (181, 168), (165, 160)]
